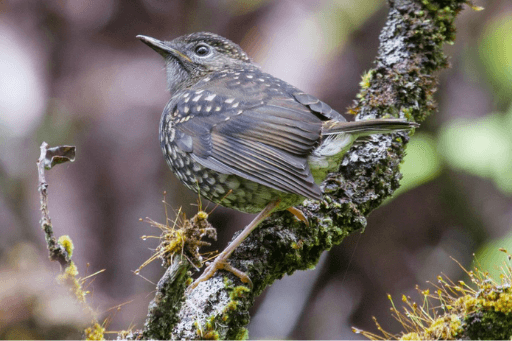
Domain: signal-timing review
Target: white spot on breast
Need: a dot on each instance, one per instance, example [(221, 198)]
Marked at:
[(199, 92), (198, 108), (229, 100), (235, 104), (195, 99), (186, 109), (217, 108), (249, 76), (210, 97), (208, 108)]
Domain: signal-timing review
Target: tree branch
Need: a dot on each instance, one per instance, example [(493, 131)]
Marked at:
[(402, 84), (48, 158)]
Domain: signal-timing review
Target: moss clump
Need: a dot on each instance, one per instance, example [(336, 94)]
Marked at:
[(483, 312), (215, 325), (70, 277), (95, 332), (181, 236), (67, 244), (237, 297), (486, 325)]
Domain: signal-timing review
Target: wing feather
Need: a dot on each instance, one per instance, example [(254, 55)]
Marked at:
[(262, 135)]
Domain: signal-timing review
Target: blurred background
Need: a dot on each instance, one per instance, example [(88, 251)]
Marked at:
[(72, 72)]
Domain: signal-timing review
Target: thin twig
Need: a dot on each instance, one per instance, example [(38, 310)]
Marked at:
[(47, 160)]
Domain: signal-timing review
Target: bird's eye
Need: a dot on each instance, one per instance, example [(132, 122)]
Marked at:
[(202, 50)]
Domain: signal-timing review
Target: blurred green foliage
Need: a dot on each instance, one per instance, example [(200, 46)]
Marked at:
[(421, 164), (478, 146), (481, 147), (495, 51), (490, 259), (339, 19)]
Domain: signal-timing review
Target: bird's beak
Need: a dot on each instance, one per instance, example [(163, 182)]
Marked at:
[(162, 48)]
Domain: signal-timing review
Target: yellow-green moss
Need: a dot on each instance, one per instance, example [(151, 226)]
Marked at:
[(67, 243), (481, 311), (95, 332)]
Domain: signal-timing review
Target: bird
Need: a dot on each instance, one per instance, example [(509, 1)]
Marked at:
[(245, 139)]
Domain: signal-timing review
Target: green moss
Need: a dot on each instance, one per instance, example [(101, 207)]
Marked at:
[(215, 324), (239, 292), (211, 335), (489, 325), (243, 334), (67, 243), (96, 332)]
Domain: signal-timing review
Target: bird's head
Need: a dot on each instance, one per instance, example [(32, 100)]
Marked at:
[(191, 57)]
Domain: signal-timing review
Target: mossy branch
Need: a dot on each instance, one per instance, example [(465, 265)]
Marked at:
[(401, 84)]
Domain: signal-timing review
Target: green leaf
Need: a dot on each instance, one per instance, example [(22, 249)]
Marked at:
[(481, 147), (421, 163)]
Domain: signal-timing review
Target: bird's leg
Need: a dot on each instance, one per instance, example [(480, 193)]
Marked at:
[(220, 261), (298, 214)]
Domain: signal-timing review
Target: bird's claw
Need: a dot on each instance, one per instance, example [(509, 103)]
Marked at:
[(298, 214), (213, 267)]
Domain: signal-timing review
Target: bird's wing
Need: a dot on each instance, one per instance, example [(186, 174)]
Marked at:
[(250, 130)]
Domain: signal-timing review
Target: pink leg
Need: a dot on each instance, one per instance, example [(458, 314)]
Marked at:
[(221, 261)]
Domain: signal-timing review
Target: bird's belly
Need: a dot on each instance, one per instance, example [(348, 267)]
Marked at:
[(227, 190)]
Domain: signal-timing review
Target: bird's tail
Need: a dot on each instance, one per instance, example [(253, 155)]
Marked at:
[(368, 127)]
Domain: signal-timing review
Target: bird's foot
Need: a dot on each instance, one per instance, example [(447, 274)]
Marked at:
[(298, 214), (220, 263)]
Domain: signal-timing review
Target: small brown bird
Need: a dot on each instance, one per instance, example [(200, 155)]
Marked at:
[(245, 139)]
